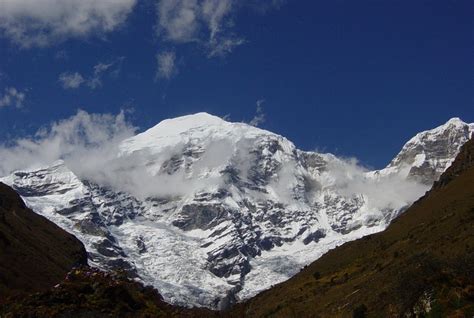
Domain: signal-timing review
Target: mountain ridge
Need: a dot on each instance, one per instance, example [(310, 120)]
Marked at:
[(410, 270), (243, 206)]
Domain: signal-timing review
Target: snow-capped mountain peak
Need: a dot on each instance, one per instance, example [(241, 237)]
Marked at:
[(185, 129), (177, 126), (212, 212)]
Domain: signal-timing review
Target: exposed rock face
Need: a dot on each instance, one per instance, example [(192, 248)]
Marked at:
[(229, 209), (35, 254)]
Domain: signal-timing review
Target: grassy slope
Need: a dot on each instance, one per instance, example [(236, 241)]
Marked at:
[(35, 253), (424, 259)]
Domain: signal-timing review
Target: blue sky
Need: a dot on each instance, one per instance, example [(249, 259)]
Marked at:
[(355, 78)]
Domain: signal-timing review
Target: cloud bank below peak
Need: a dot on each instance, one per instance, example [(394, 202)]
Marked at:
[(90, 146), (74, 138)]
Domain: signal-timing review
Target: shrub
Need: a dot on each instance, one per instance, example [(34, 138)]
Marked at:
[(360, 311)]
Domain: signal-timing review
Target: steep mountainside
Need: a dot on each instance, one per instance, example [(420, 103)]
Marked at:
[(420, 266), (212, 212), (35, 254)]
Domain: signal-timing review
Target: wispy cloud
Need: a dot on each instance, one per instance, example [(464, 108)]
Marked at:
[(166, 65), (113, 68), (259, 117), (207, 22), (73, 80), (61, 55), (89, 144), (30, 23), (12, 97)]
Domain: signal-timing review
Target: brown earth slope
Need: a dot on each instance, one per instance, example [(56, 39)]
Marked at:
[(35, 254), (421, 266)]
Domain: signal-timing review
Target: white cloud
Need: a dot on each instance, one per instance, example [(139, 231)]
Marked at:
[(89, 146), (178, 20), (12, 97), (166, 65), (206, 22), (390, 191), (100, 69), (73, 80), (223, 46), (42, 22), (259, 117), (66, 139)]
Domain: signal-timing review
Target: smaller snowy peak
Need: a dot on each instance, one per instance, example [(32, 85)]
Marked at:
[(454, 124), (429, 153), (454, 121), (448, 131)]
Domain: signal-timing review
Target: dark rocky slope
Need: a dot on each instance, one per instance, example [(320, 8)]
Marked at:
[(421, 266), (35, 254)]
